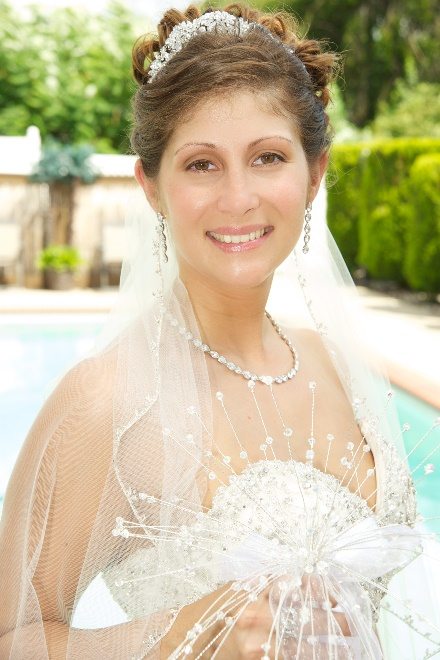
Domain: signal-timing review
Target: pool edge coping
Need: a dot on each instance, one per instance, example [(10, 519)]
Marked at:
[(414, 383)]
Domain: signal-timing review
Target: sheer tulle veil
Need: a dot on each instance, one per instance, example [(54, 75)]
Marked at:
[(129, 385)]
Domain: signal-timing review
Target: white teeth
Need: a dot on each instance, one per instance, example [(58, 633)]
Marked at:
[(238, 238)]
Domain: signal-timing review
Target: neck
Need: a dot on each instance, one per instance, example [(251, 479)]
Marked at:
[(232, 321)]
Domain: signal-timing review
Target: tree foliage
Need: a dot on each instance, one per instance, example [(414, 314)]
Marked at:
[(412, 110), (383, 41), (64, 163), (68, 73)]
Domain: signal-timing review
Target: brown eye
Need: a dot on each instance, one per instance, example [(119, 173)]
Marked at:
[(199, 166), (268, 158)]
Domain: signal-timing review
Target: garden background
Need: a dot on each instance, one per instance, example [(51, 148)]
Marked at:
[(67, 72)]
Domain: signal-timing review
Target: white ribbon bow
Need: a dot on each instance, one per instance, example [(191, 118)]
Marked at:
[(340, 569)]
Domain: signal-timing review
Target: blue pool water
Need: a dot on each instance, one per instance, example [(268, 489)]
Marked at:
[(420, 416), (34, 350)]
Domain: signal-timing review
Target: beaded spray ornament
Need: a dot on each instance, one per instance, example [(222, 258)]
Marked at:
[(288, 525)]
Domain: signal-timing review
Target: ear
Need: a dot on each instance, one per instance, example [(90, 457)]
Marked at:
[(316, 175), (148, 185)]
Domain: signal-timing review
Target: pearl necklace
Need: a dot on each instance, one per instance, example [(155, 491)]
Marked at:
[(221, 359)]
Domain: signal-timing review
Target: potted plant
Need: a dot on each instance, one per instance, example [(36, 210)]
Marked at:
[(59, 263)]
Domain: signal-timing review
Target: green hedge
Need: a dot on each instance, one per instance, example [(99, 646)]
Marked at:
[(343, 183), (374, 211), (421, 265)]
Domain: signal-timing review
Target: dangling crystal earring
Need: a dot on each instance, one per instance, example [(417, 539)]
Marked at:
[(159, 253), (307, 217), (161, 234)]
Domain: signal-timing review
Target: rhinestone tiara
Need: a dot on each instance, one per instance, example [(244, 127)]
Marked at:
[(215, 21)]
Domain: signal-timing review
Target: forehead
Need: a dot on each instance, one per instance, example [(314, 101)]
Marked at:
[(239, 115)]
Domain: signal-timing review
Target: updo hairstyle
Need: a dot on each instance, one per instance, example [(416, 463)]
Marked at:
[(213, 63)]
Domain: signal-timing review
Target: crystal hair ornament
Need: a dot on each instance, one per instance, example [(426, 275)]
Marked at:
[(216, 21)]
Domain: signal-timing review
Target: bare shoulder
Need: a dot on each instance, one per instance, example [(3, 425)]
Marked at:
[(309, 342), (309, 339), (89, 377)]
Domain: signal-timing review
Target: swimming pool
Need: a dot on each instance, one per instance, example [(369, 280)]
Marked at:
[(422, 454), (35, 349)]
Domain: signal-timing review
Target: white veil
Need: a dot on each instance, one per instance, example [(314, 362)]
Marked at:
[(120, 419)]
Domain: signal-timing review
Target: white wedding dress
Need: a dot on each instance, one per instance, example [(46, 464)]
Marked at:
[(281, 518), (276, 524)]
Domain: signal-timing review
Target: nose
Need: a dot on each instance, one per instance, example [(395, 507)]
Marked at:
[(237, 193)]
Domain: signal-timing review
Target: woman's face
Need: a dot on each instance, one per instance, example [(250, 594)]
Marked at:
[(233, 186)]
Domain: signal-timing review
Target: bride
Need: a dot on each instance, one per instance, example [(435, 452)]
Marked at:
[(210, 483)]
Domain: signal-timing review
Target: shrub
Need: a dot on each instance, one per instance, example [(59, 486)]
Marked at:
[(59, 258), (384, 201), (374, 210), (422, 256), (343, 182)]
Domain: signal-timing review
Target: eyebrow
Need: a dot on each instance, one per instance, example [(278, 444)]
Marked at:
[(211, 145)]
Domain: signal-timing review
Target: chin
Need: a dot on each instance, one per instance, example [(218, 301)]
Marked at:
[(227, 272), (243, 278)]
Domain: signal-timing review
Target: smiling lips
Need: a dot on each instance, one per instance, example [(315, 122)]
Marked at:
[(238, 238)]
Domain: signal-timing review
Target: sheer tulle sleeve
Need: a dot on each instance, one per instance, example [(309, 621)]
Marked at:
[(50, 507)]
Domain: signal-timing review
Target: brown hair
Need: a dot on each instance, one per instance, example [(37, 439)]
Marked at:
[(214, 63)]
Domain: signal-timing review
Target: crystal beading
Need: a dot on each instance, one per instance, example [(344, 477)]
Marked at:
[(221, 359), (215, 21), (271, 499)]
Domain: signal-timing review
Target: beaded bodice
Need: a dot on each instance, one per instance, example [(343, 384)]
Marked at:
[(274, 518)]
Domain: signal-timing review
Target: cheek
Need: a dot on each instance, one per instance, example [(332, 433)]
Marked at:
[(184, 210), (290, 202), (185, 205), (188, 208), (289, 189)]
